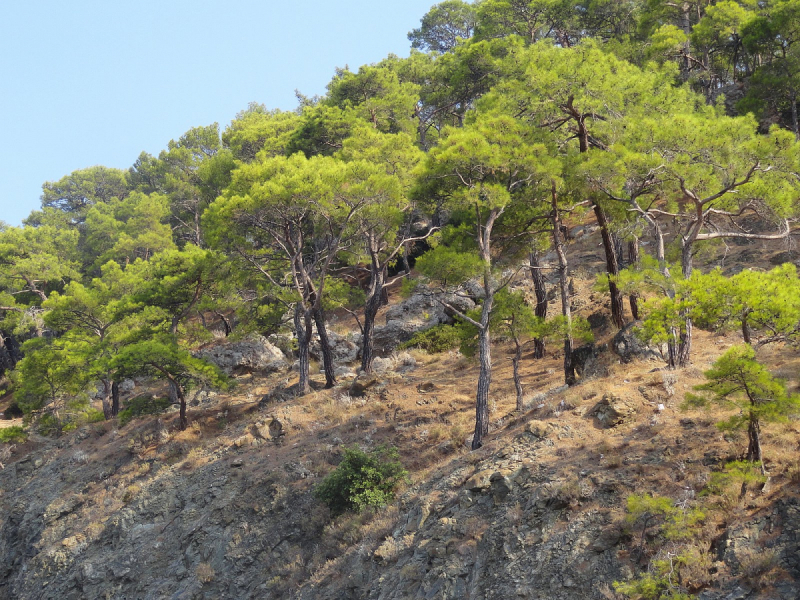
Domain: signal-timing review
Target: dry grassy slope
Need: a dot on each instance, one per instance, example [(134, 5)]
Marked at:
[(223, 511)]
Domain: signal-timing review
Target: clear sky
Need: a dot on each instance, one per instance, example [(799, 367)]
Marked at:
[(87, 83)]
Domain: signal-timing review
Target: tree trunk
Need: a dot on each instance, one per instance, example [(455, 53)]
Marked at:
[(107, 411), (795, 125), (633, 259), (746, 327), (517, 380), (302, 327), (754, 441), (174, 397), (184, 421), (325, 348), (685, 338), (612, 267), (563, 277), (371, 307), (540, 290), (484, 377), (114, 398)]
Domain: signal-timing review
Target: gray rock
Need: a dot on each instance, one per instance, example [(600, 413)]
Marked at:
[(254, 354), (612, 411), (629, 347), (344, 351), (127, 385), (421, 311)]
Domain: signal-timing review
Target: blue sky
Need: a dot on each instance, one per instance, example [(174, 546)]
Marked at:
[(84, 82)]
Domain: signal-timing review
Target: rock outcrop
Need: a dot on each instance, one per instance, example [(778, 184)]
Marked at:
[(253, 354)]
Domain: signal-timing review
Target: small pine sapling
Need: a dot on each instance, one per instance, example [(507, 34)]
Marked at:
[(739, 381)]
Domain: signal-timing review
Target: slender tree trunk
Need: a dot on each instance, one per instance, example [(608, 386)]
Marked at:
[(517, 381), (114, 398), (107, 411), (633, 259), (795, 124), (754, 441), (302, 327), (371, 306), (540, 290), (685, 337), (563, 281), (746, 327), (184, 421), (174, 397), (484, 377), (612, 267), (325, 348)]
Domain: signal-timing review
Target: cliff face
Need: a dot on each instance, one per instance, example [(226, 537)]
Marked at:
[(225, 510)]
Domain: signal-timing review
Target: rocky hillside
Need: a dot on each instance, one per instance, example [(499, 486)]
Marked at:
[(225, 509)]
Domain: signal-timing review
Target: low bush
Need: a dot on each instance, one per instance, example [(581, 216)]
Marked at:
[(143, 405), (436, 339), (13, 434), (362, 479)]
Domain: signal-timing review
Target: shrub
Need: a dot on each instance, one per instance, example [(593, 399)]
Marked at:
[(94, 416), (13, 434), (436, 339), (142, 405), (362, 479)]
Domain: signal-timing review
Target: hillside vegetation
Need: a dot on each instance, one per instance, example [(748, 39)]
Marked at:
[(515, 316)]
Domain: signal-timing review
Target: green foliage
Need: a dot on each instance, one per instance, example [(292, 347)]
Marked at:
[(737, 474), (674, 523), (439, 338), (737, 380), (142, 405), (13, 434), (362, 480)]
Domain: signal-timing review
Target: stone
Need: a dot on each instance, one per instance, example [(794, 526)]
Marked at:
[(343, 350), (537, 429), (360, 386), (127, 385), (421, 311), (629, 347), (276, 430), (612, 411), (254, 354), (480, 481)]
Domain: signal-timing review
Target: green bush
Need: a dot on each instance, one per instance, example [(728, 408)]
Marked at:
[(362, 479), (15, 433), (436, 339), (143, 405), (95, 416)]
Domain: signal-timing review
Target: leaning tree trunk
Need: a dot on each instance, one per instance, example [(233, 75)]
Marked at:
[(325, 348), (612, 267), (633, 259), (485, 375), (371, 307), (541, 299), (563, 276), (114, 398), (302, 327)]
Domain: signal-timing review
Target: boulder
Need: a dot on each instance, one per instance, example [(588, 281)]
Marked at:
[(127, 385), (254, 353), (344, 351), (612, 411), (629, 347), (419, 312)]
